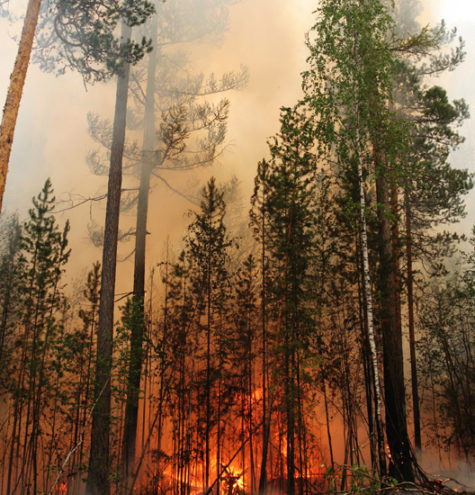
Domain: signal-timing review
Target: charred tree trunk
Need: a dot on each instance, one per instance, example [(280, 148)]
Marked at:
[(15, 90), (249, 393), (327, 419), (98, 482)]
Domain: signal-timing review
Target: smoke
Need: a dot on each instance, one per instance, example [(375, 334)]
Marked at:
[(455, 473), (267, 36), (52, 140), (459, 83)]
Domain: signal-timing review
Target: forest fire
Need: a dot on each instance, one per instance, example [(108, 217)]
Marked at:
[(233, 481), (264, 350), (61, 489)]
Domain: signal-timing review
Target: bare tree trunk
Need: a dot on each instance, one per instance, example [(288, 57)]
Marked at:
[(243, 450), (218, 435), (401, 465), (208, 377), (367, 363), (138, 326), (250, 415), (15, 90), (410, 316), (327, 418), (98, 482), (370, 319), (289, 391), (265, 419)]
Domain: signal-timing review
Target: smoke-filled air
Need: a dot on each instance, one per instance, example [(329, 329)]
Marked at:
[(237, 247)]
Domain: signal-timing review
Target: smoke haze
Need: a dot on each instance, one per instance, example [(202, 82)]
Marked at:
[(52, 139)]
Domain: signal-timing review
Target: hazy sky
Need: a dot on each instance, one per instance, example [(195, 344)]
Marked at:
[(266, 35), (460, 83)]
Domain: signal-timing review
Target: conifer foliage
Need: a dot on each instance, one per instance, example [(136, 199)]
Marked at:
[(35, 366)]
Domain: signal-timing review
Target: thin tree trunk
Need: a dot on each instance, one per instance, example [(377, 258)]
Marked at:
[(367, 366), (208, 377), (410, 316), (243, 460), (370, 318), (290, 416), (218, 435), (137, 328), (251, 445), (265, 420), (138, 325), (15, 90), (327, 418), (14, 439), (98, 482)]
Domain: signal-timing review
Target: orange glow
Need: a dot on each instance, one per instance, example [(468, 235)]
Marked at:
[(238, 477), (257, 394), (61, 489)]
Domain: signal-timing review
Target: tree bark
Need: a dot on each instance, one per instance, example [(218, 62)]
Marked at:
[(370, 319), (265, 419), (98, 482), (138, 326), (15, 90), (410, 315), (401, 461)]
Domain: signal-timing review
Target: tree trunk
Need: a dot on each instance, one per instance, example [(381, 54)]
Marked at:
[(138, 326), (98, 482), (410, 316), (265, 419), (15, 90), (370, 319), (401, 462), (208, 384)]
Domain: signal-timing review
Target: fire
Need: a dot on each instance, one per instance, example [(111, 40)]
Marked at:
[(233, 480), (61, 489), (257, 394)]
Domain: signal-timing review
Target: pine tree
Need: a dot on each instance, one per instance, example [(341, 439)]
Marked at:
[(243, 357), (207, 245), (290, 186), (186, 135), (76, 35), (44, 253), (9, 284), (431, 189)]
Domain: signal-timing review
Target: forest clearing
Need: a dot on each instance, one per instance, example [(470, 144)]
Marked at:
[(194, 304)]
